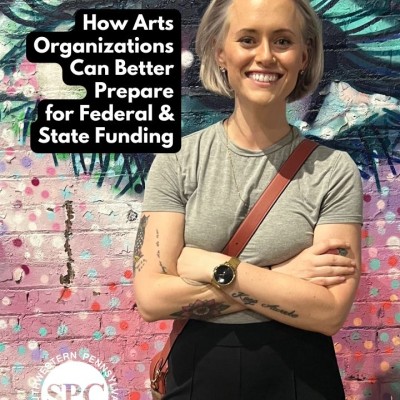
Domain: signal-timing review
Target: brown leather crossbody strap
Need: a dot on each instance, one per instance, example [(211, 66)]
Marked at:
[(269, 197), (247, 229)]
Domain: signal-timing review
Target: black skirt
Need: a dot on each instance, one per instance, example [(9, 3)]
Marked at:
[(257, 361)]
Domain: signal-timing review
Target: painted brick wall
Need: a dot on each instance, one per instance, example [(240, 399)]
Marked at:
[(68, 221)]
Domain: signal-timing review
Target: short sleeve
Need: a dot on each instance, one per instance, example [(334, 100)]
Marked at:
[(163, 185), (343, 200)]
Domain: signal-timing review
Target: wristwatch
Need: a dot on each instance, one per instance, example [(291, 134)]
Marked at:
[(224, 274)]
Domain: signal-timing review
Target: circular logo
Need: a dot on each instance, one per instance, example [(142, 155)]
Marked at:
[(74, 380)]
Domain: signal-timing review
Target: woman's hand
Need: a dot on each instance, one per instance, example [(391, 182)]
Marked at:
[(197, 266), (323, 263)]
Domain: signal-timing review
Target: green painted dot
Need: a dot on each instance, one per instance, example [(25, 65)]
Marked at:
[(367, 392), (5, 380), (384, 337), (2, 347), (97, 335), (21, 350), (395, 284), (369, 241), (375, 264), (83, 352), (43, 331), (390, 217), (385, 191), (115, 359), (397, 317), (62, 330), (17, 328), (374, 292)]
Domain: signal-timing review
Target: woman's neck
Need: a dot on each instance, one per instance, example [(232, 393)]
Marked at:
[(257, 128)]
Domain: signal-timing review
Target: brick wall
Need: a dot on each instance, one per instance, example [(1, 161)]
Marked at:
[(68, 221)]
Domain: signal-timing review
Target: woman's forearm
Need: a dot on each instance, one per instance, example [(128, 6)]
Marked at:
[(162, 296)]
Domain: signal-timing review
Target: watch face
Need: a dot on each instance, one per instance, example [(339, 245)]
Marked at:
[(224, 274)]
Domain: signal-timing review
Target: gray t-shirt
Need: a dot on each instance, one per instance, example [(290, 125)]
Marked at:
[(199, 181)]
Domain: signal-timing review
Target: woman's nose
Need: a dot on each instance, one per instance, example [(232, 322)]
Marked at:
[(264, 54)]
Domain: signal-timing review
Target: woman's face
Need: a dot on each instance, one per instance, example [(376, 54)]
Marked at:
[(263, 51)]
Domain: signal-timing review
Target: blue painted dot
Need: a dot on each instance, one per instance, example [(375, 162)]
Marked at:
[(42, 331), (355, 336), (85, 255), (106, 241), (375, 264), (51, 216), (395, 284), (92, 273), (5, 380), (2, 347), (44, 354), (384, 337), (3, 228), (39, 155), (114, 302), (97, 335), (21, 350), (390, 217), (88, 216), (125, 281), (3, 166), (110, 331), (62, 330), (18, 368)]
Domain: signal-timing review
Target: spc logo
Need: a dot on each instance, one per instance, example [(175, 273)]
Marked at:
[(75, 380)]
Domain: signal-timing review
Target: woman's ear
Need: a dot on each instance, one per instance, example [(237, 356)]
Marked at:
[(220, 57)]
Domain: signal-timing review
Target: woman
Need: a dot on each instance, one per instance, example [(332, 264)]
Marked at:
[(265, 334)]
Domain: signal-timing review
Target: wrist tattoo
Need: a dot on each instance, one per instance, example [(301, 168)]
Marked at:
[(276, 308), (245, 299), (137, 253), (201, 310)]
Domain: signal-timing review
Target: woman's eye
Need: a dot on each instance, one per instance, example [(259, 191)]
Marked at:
[(283, 42), (247, 40)]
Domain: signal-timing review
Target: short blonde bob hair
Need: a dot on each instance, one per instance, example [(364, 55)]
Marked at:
[(214, 27)]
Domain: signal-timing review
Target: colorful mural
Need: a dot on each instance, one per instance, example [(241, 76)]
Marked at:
[(68, 221)]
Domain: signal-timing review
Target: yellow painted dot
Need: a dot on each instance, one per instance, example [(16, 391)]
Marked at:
[(385, 366), (368, 344), (357, 321), (393, 297), (338, 347), (396, 341)]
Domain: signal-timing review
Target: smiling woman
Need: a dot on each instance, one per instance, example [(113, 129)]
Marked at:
[(263, 330)]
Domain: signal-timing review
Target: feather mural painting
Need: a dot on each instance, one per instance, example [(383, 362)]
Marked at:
[(68, 221)]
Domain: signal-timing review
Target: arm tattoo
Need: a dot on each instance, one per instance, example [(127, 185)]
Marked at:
[(163, 267), (137, 253), (201, 310), (276, 307), (246, 300)]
